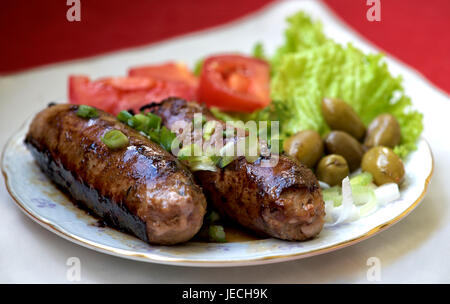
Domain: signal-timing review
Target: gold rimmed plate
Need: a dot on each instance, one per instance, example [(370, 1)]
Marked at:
[(38, 198)]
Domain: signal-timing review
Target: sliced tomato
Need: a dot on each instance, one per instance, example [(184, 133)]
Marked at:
[(131, 83), (98, 93), (162, 90), (234, 83), (115, 94), (171, 71)]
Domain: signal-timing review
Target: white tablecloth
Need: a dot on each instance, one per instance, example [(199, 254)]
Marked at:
[(414, 250)]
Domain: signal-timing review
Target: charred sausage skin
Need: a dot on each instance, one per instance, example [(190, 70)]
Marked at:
[(283, 201), (141, 189)]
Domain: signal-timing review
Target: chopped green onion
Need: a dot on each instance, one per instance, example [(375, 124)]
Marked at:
[(250, 154), (87, 112), (251, 159), (362, 194), (226, 155), (139, 122), (217, 234), (212, 217), (201, 163), (333, 194), (208, 129), (155, 121), (225, 161), (361, 179), (115, 139), (195, 160), (124, 116), (166, 137), (222, 161), (185, 152), (199, 120), (228, 149), (154, 135), (216, 159), (229, 132)]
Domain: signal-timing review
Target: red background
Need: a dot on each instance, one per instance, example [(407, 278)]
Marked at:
[(36, 32)]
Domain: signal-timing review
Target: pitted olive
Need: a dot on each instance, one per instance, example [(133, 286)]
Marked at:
[(384, 165), (384, 130), (332, 169), (341, 116), (341, 143), (306, 146)]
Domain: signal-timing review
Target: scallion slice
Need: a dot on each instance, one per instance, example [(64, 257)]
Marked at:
[(251, 159), (155, 121), (193, 158), (199, 120), (124, 116), (87, 112), (229, 132), (201, 163), (186, 152), (361, 179), (212, 217), (217, 234), (226, 160), (226, 155), (166, 137), (216, 159), (252, 151), (222, 161), (115, 139), (208, 129), (139, 122), (154, 135)]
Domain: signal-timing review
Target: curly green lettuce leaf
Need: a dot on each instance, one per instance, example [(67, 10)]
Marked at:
[(302, 33), (259, 51), (309, 66), (304, 78), (198, 67)]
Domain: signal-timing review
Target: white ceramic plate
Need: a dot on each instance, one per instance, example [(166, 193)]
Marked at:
[(45, 204)]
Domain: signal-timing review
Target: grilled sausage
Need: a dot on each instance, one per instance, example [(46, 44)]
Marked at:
[(283, 201), (141, 189)]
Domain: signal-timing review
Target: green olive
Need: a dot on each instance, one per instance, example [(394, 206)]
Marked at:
[(332, 169), (341, 143), (384, 165), (306, 146), (384, 130), (341, 116)]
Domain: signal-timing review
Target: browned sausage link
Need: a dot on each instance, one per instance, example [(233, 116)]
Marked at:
[(141, 189), (283, 201)]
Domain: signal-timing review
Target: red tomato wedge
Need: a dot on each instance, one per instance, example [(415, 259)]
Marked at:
[(171, 71), (98, 93), (235, 83), (115, 94)]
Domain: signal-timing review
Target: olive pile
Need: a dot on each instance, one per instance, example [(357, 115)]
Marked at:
[(350, 146)]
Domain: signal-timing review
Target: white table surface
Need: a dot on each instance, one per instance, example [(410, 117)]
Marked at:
[(412, 251)]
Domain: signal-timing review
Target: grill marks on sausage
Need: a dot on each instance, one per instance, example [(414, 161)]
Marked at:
[(141, 182), (283, 201)]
